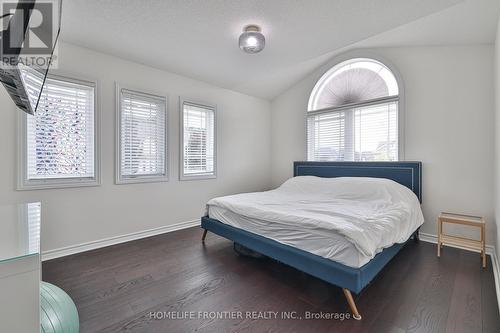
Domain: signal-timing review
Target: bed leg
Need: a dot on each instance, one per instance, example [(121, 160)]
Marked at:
[(204, 235), (352, 305)]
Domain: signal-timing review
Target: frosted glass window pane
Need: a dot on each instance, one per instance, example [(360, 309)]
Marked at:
[(60, 136)]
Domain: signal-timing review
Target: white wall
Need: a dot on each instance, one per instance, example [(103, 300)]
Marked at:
[(497, 138), (78, 215), (448, 126)]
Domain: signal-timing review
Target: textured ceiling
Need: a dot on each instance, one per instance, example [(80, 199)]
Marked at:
[(470, 22), (199, 38)]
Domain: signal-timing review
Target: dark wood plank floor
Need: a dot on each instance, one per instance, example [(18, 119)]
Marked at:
[(117, 288)]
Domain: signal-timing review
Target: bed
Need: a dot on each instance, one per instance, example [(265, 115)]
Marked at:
[(350, 264)]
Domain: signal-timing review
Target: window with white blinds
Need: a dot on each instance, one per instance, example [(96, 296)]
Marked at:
[(368, 133), (198, 141), (142, 137), (353, 114), (60, 139)]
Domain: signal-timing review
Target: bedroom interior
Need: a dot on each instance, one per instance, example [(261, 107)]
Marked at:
[(259, 166)]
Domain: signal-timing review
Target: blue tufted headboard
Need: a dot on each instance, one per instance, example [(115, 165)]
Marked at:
[(408, 174)]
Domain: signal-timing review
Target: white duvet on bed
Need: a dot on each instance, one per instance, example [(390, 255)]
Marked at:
[(371, 213)]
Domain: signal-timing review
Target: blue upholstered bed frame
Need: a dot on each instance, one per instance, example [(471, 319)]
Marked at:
[(408, 174)]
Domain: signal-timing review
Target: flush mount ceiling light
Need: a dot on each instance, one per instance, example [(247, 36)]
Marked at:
[(252, 40)]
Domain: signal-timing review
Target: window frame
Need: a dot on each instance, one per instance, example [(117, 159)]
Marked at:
[(198, 176), (400, 98), (119, 179), (23, 183)]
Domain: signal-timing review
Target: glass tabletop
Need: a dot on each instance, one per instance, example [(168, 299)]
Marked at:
[(19, 230)]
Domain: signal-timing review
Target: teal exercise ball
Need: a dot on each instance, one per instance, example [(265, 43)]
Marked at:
[(58, 313)]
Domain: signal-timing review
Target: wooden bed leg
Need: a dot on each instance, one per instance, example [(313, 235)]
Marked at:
[(204, 235), (352, 305)]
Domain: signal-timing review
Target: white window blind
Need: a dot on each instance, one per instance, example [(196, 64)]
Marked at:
[(198, 140), (364, 133), (143, 133), (326, 136), (60, 138)]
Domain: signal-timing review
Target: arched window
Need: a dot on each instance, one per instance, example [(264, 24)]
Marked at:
[(353, 114)]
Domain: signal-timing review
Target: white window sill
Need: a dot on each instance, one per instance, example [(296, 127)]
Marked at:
[(57, 184), (197, 177), (141, 179)]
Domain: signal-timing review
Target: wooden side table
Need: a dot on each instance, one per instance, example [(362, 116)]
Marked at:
[(468, 243)]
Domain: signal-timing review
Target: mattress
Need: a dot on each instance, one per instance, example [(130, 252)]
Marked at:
[(345, 219), (329, 245)]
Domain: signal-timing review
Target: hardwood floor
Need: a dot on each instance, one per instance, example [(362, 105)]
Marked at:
[(116, 289)]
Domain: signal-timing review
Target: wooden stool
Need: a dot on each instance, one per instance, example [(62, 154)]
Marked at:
[(468, 243)]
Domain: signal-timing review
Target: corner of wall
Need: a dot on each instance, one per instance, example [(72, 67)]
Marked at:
[(496, 205), (497, 137)]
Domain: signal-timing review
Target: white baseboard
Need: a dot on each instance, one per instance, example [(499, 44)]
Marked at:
[(73, 249), (490, 249), (496, 273)]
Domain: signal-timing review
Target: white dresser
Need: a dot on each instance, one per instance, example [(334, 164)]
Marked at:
[(20, 268)]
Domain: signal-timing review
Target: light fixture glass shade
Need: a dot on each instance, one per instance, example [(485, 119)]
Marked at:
[(252, 40)]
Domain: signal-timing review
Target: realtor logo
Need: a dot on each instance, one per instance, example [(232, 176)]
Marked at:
[(30, 30), (30, 27)]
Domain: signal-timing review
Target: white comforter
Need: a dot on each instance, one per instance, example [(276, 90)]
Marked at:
[(372, 213)]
